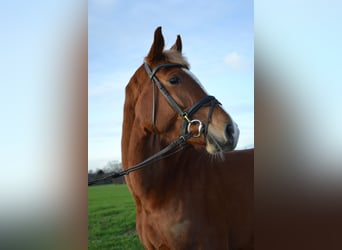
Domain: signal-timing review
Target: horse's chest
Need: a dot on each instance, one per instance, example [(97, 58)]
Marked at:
[(169, 229), (171, 224), (179, 229)]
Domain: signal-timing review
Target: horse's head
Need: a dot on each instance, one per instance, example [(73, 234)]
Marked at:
[(170, 101)]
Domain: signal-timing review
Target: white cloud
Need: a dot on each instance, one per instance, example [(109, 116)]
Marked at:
[(236, 61)]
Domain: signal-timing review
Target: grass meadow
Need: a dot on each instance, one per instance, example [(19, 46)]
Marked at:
[(111, 218)]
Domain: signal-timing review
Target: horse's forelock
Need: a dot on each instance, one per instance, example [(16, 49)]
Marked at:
[(173, 56)]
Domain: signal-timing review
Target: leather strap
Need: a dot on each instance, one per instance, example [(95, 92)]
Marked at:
[(212, 101), (185, 115), (162, 89), (157, 156)]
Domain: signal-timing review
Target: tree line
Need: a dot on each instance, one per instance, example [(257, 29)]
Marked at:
[(109, 168)]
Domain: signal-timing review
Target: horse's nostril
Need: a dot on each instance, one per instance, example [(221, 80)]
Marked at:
[(229, 133)]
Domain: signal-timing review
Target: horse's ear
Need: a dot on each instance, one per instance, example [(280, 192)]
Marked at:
[(156, 51), (178, 44)]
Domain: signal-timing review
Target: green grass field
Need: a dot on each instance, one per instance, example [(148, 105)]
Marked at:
[(111, 218)]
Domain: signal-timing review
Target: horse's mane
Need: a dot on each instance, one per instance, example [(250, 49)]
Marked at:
[(129, 115)]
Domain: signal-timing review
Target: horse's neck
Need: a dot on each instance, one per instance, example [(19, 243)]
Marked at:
[(161, 176), (142, 146)]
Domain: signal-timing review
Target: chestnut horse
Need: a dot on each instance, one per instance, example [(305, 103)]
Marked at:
[(198, 195)]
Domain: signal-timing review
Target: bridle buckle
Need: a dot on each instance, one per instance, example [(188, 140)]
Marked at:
[(186, 117)]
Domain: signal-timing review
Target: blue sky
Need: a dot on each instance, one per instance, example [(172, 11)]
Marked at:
[(218, 40)]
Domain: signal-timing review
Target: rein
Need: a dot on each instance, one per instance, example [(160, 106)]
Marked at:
[(177, 143), (186, 124)]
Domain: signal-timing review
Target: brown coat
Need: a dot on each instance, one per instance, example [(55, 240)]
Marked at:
[(190, 199)]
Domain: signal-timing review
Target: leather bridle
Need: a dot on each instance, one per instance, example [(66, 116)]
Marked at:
[(186, 115), (187, 123)]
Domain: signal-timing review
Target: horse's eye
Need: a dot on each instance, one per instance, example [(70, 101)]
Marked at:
[(174, 80)]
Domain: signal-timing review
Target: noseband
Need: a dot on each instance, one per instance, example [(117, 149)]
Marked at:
[(188, 122)]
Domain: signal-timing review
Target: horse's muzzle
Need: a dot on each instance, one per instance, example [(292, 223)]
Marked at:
[(225, 142)]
